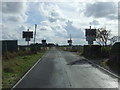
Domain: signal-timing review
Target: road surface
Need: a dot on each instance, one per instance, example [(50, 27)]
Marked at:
[(60, 69)]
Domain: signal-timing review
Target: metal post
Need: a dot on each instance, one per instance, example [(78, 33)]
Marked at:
[(35, 33)]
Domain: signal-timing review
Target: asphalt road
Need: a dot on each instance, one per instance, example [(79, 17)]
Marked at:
[(60, 69)]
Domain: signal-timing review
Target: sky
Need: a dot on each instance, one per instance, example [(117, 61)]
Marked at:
[(57, 20)]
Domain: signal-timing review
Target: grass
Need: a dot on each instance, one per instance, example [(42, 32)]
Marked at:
[(14, 68)]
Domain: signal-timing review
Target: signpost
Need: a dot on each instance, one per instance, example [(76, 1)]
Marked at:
[(90, 35)]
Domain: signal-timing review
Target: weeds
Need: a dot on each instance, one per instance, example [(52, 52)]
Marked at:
[(10, 55)]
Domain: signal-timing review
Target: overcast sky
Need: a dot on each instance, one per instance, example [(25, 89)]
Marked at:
[(57, 20)]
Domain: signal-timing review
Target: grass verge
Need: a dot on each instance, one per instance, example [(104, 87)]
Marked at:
[(14, 68)]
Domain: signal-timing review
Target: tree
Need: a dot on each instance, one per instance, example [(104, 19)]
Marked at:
[(102, 36), (114, 39)]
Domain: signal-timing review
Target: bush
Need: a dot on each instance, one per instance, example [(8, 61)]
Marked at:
[(92, 51), (96, 51), (114, 59), (105, 51), (116, 48)]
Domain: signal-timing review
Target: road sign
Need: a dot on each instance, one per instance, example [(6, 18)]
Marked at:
[(69, 41), (27, 34), (43, 41), (90, 34)]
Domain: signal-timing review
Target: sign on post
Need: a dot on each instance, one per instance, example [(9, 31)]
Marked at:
[(90, 35), (27, 35)]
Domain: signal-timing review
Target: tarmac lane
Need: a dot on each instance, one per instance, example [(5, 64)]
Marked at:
[(60, 69)]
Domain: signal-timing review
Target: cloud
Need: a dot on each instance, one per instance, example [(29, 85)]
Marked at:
[(10, 31), (45, 23), (94, 22), (13, 7), (14, 32), (52, 12), (55, 21), (75, 32), (101, 10), (52, 28), (59, 30), (14, 12), (55, 29), (45, 28), (14, 16), (58, 21)]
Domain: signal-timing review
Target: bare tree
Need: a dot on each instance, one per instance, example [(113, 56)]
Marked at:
[(102, 36), (114, 39)]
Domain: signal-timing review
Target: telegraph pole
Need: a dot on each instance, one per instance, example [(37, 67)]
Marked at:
[(35, 33), (28, 40), (70, 40)]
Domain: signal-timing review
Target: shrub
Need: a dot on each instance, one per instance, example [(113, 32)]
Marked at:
[(114, 59), (105, 51)]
